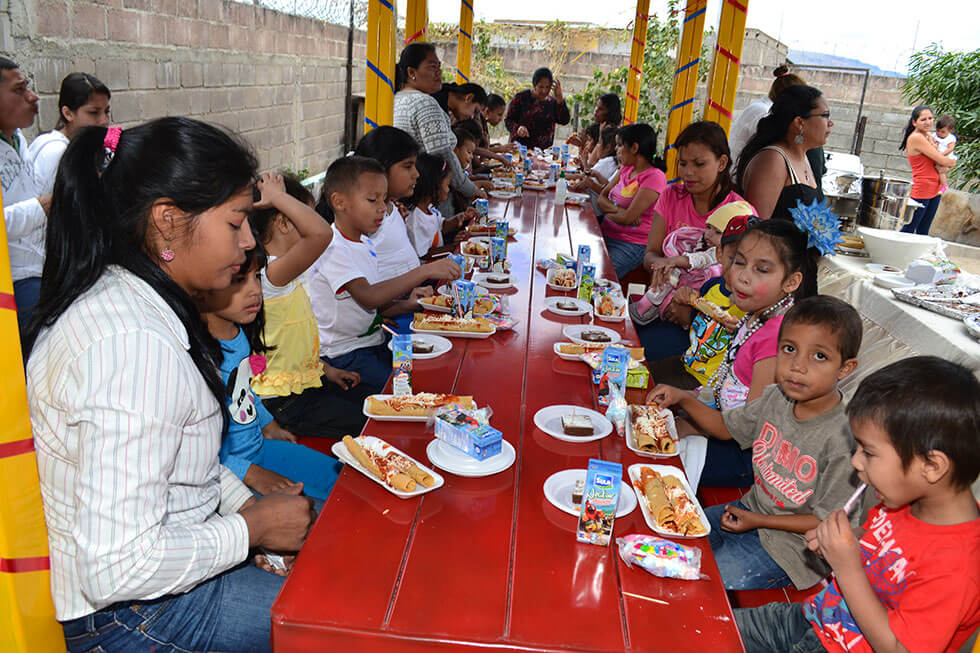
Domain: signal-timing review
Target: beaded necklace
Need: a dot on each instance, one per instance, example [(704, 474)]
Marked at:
[(717, 379)]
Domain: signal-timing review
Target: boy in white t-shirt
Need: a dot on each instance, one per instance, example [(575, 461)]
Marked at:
[(348, 293), (945, 142)]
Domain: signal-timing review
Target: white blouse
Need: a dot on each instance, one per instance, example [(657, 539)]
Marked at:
[(127, 435)]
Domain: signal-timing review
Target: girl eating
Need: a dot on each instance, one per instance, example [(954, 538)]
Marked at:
[(427, 229)]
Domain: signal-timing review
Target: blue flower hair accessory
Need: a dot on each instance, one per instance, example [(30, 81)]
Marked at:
[(821, 225)]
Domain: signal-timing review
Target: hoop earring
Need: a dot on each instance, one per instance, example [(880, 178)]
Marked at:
[(798, 139)]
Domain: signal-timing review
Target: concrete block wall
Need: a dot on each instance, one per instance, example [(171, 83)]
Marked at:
[(277, 79)]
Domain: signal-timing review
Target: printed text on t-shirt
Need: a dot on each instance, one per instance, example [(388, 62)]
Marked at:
[(769, 451)]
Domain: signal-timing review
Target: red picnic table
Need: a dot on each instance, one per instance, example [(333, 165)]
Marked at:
[(489, 562)]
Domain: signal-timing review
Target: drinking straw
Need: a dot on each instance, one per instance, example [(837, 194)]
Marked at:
[(389, 329), (854, 497)]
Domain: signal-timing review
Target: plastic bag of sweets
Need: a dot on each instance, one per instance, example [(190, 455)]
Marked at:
[(616, 412), (661, 557)]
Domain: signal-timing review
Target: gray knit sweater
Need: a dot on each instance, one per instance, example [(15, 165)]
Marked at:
[(421, 116)]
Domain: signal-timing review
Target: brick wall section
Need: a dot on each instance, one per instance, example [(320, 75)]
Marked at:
[(275, 78)]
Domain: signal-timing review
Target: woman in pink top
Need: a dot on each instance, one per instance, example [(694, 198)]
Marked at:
[(703, 163), (923, 158), (628, 200)]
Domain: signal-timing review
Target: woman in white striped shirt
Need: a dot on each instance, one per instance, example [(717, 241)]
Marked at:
[(149, 534)]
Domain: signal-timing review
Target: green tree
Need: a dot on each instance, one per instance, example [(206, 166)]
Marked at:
[(659, 61), (949, 82)]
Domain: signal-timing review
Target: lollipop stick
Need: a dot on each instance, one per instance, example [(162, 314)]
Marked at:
[(854, 497)]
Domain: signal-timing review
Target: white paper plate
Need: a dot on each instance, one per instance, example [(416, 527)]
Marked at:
[(444, 289), (889, 280), (878, 268), (480, 278), (631, 441), (558, 491), (450, 459), (577, 199), (972, 324), (503, 194), (554, 286), (563, 355), (434, 308), (456, 334), (389, 418), (620, 301), (548, 419), (666, 470), (573, 332), (440, 345), (340, 451), (551, 303)]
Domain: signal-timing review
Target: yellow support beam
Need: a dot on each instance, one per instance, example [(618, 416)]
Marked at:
[(723, 80), (635, 73), (379, 96), (416, 21), (464, 47), (685, 79), (27, 620)]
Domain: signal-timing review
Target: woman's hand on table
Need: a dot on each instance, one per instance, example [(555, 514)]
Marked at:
[(265, 481), (279, 521), (738, 520)]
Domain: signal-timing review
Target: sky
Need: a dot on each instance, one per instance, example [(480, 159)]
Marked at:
[(880, 32)]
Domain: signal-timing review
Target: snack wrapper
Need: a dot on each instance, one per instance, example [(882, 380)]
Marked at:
[(618, 408), (502, 322), (932, 269), (464, 295), (661, 557)]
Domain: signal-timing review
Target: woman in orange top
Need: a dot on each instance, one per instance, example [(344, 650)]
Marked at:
[(923, 158)]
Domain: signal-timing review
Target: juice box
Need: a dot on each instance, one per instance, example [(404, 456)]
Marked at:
[(498, 250), (565, 159), (613, 368), (556, 152), (586, 281), (460, 260), (482, 207), (508, 158), (502, 230), (599, 502), (518, 180), (461, 430), (401, 364), (582, 257), (528, 164), (464, 296), (553, 172)]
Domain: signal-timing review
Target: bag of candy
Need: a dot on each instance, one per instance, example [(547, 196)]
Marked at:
[(616, 412), (661, 557)]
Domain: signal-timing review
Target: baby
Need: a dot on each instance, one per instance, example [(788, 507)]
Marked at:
[(945, 141)]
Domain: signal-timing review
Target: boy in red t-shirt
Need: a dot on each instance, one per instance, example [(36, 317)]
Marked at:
[(912, 580)]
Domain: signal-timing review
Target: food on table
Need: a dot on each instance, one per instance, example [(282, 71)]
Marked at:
[(603, 283), (564, 278), (451, 323), (498, 278), (578, 491), (567, 305), (608, 308), (419, 347), (444, 301), (590, 335), (854, 242), (575, 424), (669, 504), (487, 229), (577, 349), (415, 405), (474, 248), (481, 306), (650, 430), (712, 310), (395, 470)]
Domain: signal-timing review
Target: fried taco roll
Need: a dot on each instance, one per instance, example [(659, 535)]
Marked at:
[(400, 481), (360, 456), (421, 476)]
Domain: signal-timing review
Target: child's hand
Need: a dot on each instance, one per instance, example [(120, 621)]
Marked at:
[(482, 194), (270, 186), (262, 562), (346, 379), (685, 295), (420, 292), (665, 396), (404, 210), (460, 237), (834, 540), (273, 431), (265, 481), (444, 268), (738, 520), (469, 215)]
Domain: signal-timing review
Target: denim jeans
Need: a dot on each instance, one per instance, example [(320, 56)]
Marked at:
[(229, 612), (743, 563), (777, 627), (727, 465), (625, 256), (26, 293), (922, 218), (372, 363)]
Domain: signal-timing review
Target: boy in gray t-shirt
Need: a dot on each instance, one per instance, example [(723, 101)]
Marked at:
[(802, 447)]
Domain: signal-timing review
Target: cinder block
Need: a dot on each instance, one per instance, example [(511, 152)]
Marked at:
[(125, 106), (219, 100), (153, 104), (253, 97), (168, 75), (229, 120), (88, 21), (213, 75), (229, 72), (52, 19), (142, 75), (218, 36), (212, 10), (48, 74), (200, 101), (122, 25), (178, 103), (142, 5), (114, 73), (188, 8), (165, 7), (191, 75), (152, 29), (236, 99), (285, 94)]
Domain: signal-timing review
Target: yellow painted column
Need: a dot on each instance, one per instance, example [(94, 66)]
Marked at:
[(464, 47), (379, 96), (416, 21), (635, 73), (27, 620), (685, 80), (723, 81)]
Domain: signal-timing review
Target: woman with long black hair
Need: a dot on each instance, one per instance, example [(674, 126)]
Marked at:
[(148, 533), (923, 156)]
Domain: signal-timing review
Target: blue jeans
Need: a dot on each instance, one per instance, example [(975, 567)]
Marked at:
[(316, 470), (372, 363), (922, 218), (743, 563), (229, 612), (26, 293), (625, 256), (777, 627)]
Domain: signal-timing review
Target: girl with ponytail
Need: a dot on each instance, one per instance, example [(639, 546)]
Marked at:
[(127, 403)]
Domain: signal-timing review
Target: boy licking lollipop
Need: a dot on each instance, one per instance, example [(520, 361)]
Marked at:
[(910, 579)]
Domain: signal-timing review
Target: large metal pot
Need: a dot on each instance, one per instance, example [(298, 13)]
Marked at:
[(883, 197), (846, 208)]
